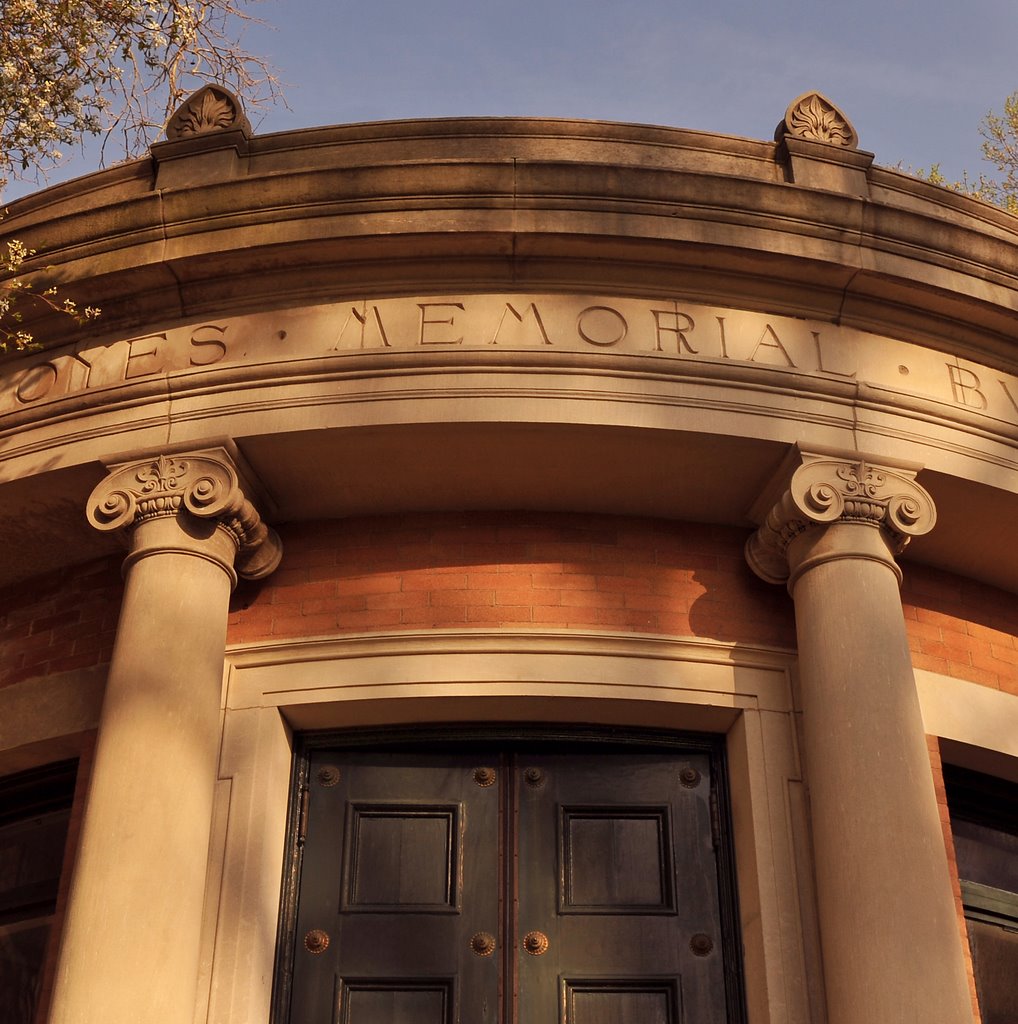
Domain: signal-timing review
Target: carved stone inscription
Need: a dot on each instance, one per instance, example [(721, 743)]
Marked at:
[(679, 334)]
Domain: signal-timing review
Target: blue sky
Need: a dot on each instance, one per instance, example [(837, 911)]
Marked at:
[(915, 82)]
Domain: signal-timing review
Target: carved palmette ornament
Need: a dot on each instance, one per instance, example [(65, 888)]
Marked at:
[(200, 484), (814, 117), (211, 109), (827, 490)]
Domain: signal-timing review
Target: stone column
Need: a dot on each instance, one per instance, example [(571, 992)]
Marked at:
[(889, 931), (130, 943)]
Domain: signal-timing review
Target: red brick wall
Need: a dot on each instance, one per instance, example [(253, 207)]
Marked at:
[(434, 570), (59, 622), (961, 628), (428, 571)]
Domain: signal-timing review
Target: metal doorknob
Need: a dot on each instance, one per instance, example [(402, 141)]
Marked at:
[(316, 941), (483, 944), (535, 943)]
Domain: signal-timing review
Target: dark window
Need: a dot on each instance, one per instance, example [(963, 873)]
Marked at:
[(984, 820), (35, 809)]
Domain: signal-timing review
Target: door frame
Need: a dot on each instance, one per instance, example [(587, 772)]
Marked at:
[(565, 739)]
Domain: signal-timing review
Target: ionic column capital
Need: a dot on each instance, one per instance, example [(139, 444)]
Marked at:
[(823, 490), (190, 489)]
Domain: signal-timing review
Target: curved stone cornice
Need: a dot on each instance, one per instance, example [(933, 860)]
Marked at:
[(202, 484), (825, 490), (476, 203)]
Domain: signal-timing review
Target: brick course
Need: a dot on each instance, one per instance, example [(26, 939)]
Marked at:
[(427, 571), (961, 628), (60, 621), (473, 570)]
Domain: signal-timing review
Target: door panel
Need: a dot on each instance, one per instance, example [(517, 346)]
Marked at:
[(619, 886), (616, 860), (622, 1002), (402, 855), (521, 887), (368, 1001), (399, 869)]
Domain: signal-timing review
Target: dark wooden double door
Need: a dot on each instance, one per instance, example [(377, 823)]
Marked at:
[(508, 885)]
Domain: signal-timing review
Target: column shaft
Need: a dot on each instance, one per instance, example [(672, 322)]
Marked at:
[(889, 930), (131, 938), (889, 934)]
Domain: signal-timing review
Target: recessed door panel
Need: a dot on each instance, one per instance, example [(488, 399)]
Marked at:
[(621, 1001), (616, 860), (535, 888), (368, 1001), (403, 856)]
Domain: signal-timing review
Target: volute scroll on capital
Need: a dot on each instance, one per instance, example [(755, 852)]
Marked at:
[(827, 490), (202, 484)]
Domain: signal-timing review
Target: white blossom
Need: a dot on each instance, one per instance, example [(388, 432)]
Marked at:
[(70, 68)]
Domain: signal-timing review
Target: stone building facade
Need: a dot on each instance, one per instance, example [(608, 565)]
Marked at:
[(511, 570)]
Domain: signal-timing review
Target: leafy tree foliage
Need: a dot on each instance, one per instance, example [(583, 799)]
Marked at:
[(70, 68), (16, 290), (1000, 149), (116, 68)]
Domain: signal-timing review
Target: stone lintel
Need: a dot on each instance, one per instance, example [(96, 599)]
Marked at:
[(188, 487), (818, 489)]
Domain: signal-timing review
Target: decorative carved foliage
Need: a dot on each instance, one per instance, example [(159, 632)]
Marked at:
[(814, 117), (211, 109), (202, 484), (826, 490)]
